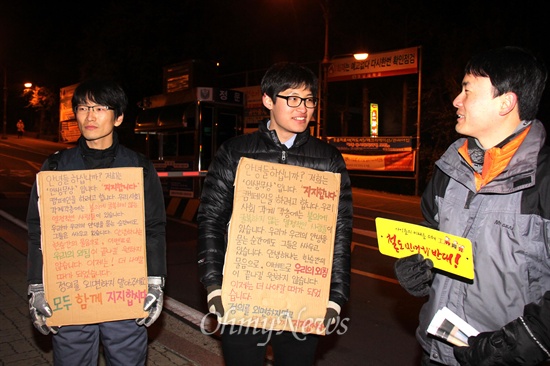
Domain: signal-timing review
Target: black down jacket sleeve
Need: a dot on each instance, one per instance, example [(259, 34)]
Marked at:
[(213, 217), (523, 341)]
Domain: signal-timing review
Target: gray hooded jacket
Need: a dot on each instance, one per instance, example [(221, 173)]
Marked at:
[(508, 223)]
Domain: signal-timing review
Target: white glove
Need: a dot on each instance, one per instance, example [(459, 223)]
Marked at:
[(39, 309), (153, 301)]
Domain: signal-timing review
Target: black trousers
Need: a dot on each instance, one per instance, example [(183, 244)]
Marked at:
[(124, 344), (243, 346)]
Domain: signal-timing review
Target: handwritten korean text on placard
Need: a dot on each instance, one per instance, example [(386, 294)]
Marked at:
[(281, 241), (93, 244)]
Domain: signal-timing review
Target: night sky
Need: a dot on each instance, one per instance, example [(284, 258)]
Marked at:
[(59, 43)]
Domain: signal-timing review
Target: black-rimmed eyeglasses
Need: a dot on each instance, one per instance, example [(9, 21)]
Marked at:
[(294, 102), (94, 108)]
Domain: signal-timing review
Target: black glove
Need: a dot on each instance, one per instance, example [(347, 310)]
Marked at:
[(514, 344), (332, 314), (214, 299), (414, 274)]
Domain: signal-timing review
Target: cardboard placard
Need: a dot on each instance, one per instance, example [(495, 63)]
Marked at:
[(93, 244), (448, 252), (280, 246)]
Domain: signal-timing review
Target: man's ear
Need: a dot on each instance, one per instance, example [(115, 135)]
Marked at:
[(509, 102), (267, 101), (118, 120)]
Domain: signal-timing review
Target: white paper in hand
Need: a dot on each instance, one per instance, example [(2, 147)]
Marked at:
[(449, 326)]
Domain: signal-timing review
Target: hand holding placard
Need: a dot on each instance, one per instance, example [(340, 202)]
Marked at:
[(448, 252)]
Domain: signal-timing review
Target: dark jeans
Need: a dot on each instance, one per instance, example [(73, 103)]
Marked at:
[(247, 346)]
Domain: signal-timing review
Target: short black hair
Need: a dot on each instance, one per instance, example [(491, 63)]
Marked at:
[(512, 69), (286, 75), (102, 92)]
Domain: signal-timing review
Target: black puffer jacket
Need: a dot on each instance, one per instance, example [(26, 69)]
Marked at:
[(217, 199)]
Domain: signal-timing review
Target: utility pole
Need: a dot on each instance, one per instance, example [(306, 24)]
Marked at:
[(322, 110), (5, 115)]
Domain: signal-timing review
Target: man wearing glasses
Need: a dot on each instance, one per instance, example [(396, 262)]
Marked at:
[(289, 93), (99, 107)]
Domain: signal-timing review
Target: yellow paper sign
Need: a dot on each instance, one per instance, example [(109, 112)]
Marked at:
[(449, 253), (281, 241), (93, 244)]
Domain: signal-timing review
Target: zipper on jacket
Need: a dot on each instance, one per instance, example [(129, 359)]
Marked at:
[(283, 157)]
